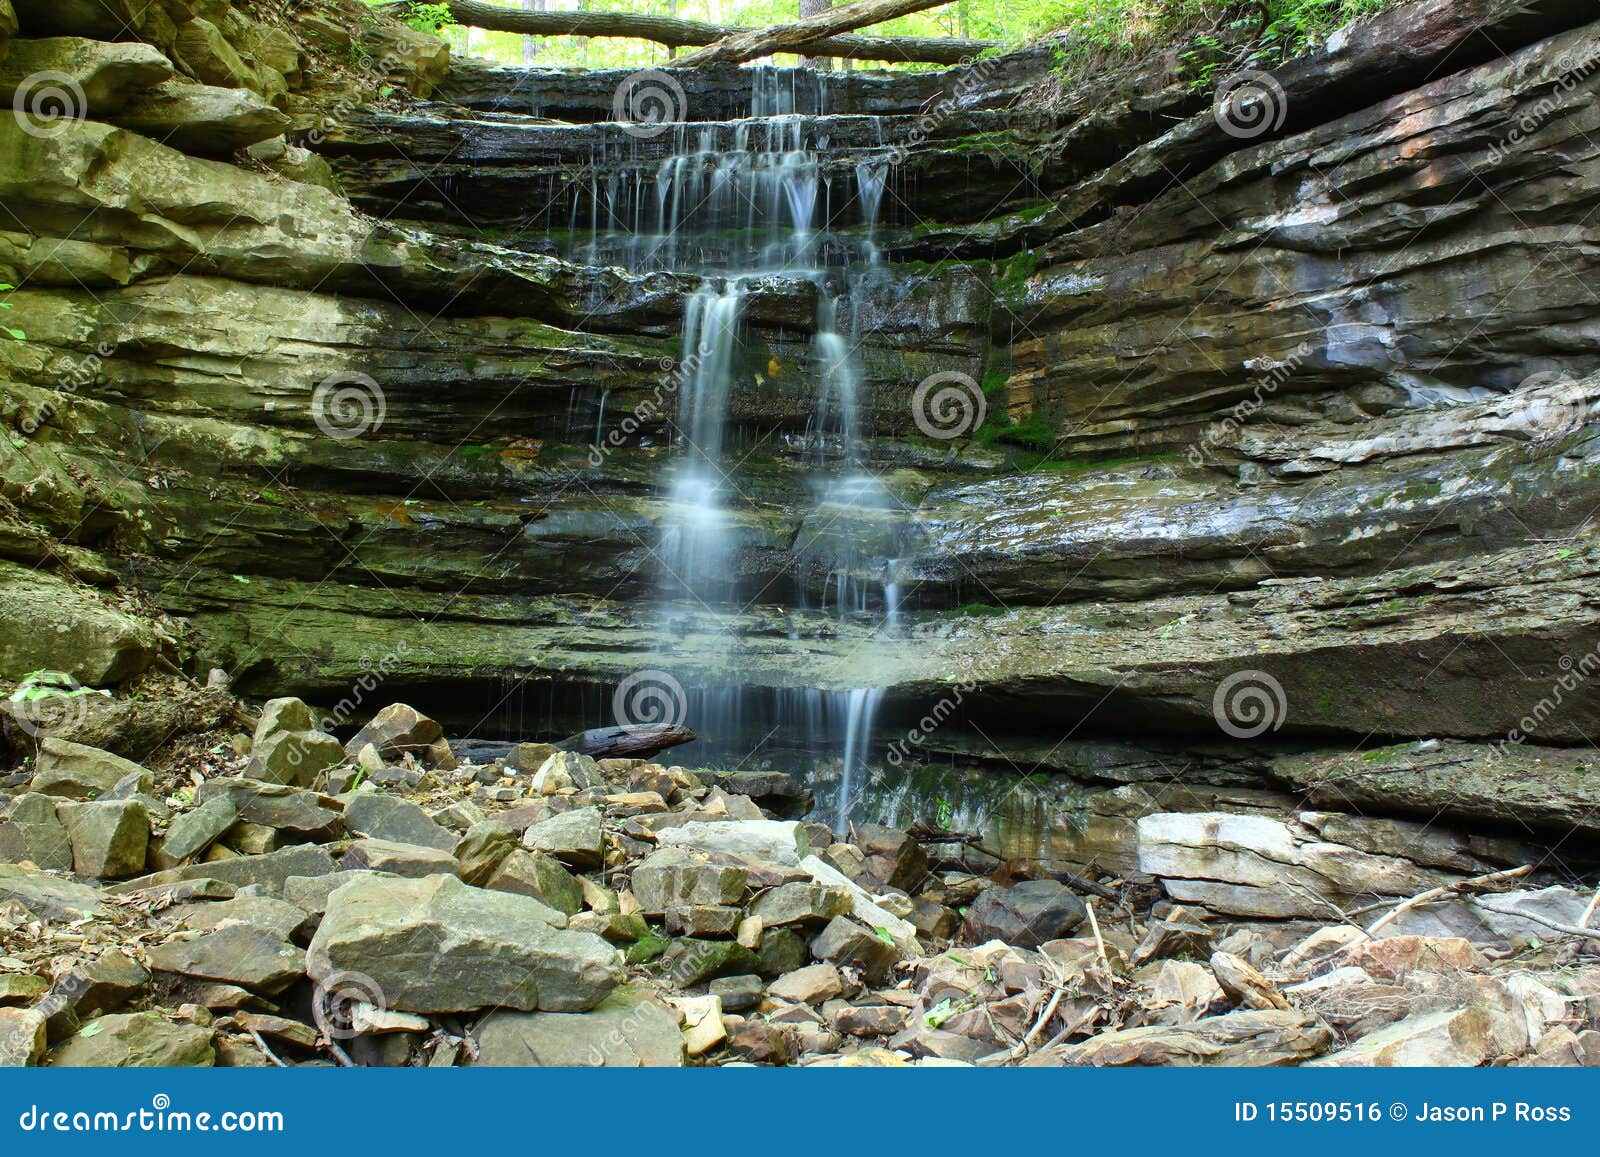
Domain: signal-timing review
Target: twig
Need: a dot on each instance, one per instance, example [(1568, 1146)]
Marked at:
[(1433, 894), (1569, 929), (267, 1052), (1588, 913), (319, 1013), (1099, 941)]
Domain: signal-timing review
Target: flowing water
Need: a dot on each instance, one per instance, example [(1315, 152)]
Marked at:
[(733, 203)]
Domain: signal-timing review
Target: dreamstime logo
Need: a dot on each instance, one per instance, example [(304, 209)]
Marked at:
[(1248, 704), (49, 703), (346, 996), (346, 406), (1250, 104), (948, 404), (647, 103), (47, 104), (1557, 405), (649, 699)]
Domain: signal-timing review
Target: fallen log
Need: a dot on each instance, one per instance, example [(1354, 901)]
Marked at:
[(803, 36), (627, 742), (676, 33)]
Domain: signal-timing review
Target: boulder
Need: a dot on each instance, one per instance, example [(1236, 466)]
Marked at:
[(539, 876), (277, 806), (33, 831), (1487, 1028), (268, 872), (480, 851), (713, 921), (108, 983), (812, 984), (629, 1029), (294, 758), (865, 909), (566, 772), (49, 897), (283, 714), (107, 74), (673, 876), (201, 118), (738, 993), (1238, 1039), (22, 1038), (893, 859), (438, 945), (242, 954), (1250, 865), (310, 893), (72, 771), (689, 961), (1026, 915), (783, 841), (109, 837), (848, 944), (800, 903), (201, 45), (575, 837), (1394, 957), (135, 1040), (396, 730), (530, 757), (409, 860), (385, 817), (193, 832), (280, 918), (56, 625)]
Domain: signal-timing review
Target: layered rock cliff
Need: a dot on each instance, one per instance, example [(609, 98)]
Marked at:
[(1315, 402)]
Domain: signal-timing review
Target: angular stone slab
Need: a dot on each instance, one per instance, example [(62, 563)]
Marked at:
[(438, 945)]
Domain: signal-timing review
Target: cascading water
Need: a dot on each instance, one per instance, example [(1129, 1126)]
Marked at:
[(734, 203)]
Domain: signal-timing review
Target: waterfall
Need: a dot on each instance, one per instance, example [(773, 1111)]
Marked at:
[(733, 202)]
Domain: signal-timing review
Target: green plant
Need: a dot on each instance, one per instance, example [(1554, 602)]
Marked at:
[(429, 18), (10, 331)]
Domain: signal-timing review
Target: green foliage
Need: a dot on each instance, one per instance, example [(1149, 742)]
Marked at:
[(429, 18), (977, 611), (1212, 38), (10, 331)]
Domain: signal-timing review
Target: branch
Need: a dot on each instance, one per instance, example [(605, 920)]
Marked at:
[(805, 35), (676, 33)]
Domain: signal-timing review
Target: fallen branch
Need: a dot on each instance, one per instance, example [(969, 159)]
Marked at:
[(1568, 929), (804, 36), (627, 742), (676, 33), (1476, 884), (277, 1061), (319, 1013)]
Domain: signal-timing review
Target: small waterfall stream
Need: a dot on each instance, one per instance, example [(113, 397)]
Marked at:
[(734, 202)]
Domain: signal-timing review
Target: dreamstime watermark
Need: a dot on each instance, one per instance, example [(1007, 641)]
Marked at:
[(972, 77), (1574, 674), (348, 405), (159, 1117), (648, 103), (1250, 104), (349, 1000), (1570, 72), (80, 374), (373, 77), (1264, 387), (948, 404), (935, 718), (371, 678), (1555, 404), (1248, 704), (47, 104), (48, 703), (649, 699), (645, 412)]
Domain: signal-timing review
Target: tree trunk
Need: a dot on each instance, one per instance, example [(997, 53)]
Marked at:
[(627, 742), (809, 8), (675, 33), (807, 34), (530, 44)]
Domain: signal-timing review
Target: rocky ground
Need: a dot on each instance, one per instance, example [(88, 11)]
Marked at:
[(283, 898)]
